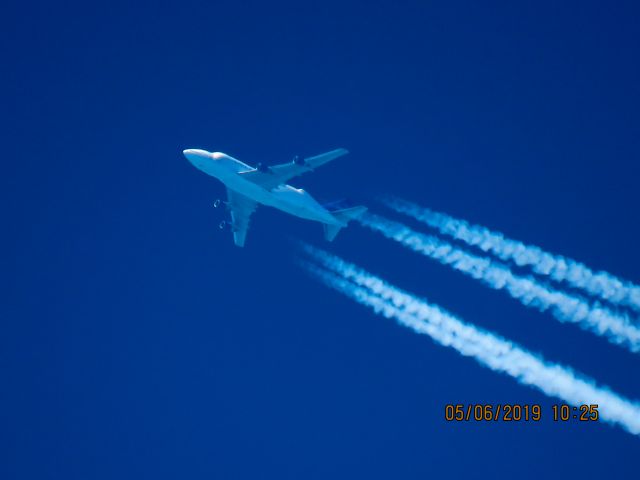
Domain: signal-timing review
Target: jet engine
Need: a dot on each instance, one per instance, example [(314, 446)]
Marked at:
[(261, 167), (298, 160)]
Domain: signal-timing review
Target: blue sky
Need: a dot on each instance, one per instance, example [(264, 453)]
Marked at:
[(138, 342)]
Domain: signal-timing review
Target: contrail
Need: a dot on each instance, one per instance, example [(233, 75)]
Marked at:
[(492, 351), (559, 268), (566, 308)]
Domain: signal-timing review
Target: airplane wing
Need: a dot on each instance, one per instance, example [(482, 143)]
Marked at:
[(273, 176), (241, 209)]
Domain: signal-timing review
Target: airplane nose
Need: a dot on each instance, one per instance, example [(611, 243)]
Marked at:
[(195, 154)]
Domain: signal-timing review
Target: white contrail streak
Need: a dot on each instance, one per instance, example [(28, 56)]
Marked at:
[(559, 268), (566, 308), (489, 350)]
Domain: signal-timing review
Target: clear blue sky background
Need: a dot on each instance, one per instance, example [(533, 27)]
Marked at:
[(138, 342)]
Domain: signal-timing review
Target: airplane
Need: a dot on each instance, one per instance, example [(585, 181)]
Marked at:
[(248, 187)]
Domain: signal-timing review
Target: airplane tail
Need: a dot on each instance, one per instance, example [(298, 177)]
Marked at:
[(344, 215)]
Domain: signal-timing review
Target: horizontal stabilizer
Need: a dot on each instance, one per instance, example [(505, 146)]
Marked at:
[(344, 215)]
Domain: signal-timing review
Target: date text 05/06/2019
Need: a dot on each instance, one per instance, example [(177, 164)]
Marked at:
[(514, 412)]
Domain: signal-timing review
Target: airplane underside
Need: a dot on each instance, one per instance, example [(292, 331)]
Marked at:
[(248, 187)]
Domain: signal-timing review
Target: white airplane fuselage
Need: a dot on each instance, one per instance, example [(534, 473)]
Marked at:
[(294, 201)]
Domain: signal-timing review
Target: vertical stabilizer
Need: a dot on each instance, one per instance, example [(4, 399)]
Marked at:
[(344, 216)]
